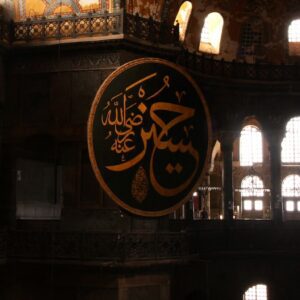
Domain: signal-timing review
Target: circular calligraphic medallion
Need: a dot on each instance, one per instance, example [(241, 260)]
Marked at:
[(149, 136)]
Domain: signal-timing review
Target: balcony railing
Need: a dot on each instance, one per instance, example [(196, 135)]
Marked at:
[(88, 25), (196, 240), (150, 30), (237, 70), (58, 28), (111, 25)]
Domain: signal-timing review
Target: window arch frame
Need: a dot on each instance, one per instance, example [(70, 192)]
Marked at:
[(205, 44), (183, 27), (291, 194), (292, 136), (256, 146), (255, 286), (293, 50)]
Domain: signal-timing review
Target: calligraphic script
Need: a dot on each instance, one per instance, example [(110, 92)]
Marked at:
[(149, 136)]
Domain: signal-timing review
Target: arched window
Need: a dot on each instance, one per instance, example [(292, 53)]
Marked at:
[(183, 17), (291, 142), (250, 146), (291, 192), (252, 192), (294, 37), (211, 33), (256, 292)]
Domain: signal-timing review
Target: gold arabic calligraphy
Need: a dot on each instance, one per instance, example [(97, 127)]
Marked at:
[(123, 118)]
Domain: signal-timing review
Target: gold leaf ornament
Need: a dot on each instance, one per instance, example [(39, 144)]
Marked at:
[(140, 185)]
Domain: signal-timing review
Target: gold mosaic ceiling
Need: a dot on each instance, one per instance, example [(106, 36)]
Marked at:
[(23, 9)]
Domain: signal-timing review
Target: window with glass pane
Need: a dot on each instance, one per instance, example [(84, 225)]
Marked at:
[(247, 204), (250, 146), (294, 37), (291, 143), (258, 205), (211, 33), (252, 186), (291, 186), (291, 192), (294, 31), (256, 292), (183, 17), (289, 205)]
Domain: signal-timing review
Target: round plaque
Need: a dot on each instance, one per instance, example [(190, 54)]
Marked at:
[(149, 136)]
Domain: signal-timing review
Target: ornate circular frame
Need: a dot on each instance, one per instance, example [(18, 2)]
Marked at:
[(94, 164)]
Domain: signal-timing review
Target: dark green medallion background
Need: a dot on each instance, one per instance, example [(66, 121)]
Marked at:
[(170, 168)]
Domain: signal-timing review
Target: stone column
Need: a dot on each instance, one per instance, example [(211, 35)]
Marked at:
[(103, 6), (2, 99), (227, 139), (188, 207), (2, 81), (2, 90), (275, 139)]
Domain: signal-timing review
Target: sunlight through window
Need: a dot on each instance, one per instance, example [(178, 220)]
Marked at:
[(183, 17), (258, 205), (294, 31), (247, 205), (257, 292), (298, 205), (294, 37), (289, 205), (211, 33), (252, 186), (250, 146), (291, 186), (291, 192), (291, 143)]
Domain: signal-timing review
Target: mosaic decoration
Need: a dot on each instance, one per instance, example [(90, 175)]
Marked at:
[(19, 10)]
